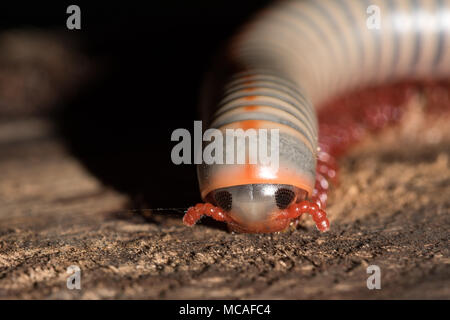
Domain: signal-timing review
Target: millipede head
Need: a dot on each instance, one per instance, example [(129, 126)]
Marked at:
[(255, 207)]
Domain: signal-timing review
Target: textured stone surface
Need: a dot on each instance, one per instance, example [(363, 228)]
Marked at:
[(391, 209)]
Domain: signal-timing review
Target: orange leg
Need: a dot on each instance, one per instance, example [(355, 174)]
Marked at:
[(194, 214), (319, 216)]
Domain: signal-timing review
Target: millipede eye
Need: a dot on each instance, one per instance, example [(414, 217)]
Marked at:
[(284, 197), (223, 200)]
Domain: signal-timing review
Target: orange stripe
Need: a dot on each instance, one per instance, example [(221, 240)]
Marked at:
[(251, 108), (266, 124), (253, 174), (235, 174)]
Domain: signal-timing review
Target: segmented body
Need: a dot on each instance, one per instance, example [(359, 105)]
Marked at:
[(295, 56)]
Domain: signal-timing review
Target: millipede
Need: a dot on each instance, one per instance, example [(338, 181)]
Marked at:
[(284, 69)]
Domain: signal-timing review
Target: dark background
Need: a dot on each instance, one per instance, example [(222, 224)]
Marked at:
[(154, 56)]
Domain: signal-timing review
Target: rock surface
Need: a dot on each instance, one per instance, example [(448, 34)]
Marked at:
[(391, 209)]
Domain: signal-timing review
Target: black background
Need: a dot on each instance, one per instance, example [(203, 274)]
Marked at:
[(156, 55), (280, 309)]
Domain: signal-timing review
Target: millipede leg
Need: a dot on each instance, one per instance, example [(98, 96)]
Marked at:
[(194, 214), (319, 216)]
